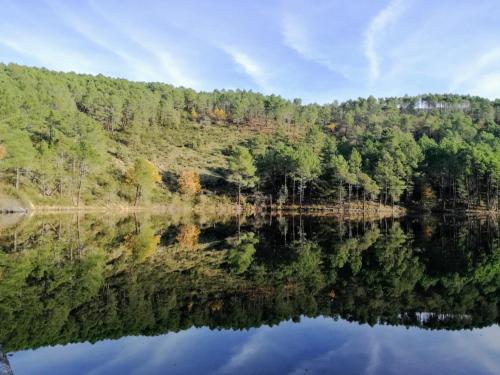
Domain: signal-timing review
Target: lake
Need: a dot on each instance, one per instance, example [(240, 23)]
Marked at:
[(150, 294)]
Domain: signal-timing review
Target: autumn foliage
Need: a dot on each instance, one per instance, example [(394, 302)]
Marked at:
[(218, 114), (189, 182), (188, 236), (3, 152)]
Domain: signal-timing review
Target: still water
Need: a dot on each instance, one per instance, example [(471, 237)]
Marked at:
[(299, 295)]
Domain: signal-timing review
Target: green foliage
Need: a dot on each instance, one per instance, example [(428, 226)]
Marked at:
[(242, 169), (73, 278), (19, 150), (143, 176), (241, 255), (66, 138)]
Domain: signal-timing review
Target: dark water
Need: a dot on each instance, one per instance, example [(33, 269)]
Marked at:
[(154, 295)]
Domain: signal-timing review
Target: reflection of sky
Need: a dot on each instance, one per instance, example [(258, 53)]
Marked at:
[(319, 345)]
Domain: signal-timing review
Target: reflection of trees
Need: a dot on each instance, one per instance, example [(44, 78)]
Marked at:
[(142, 243), (242, 251), (89, 279), (304, 266), (350, 252), (188, 235)]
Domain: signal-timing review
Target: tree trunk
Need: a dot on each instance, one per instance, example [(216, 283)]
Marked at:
[(496, 207), (60, 188), (239, 226), (137, 194), (239, 195), (488, 184), (301, 192), (18, 175), (286, 186), (80, 184)]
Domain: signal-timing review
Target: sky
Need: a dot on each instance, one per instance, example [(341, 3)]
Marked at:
[(314, 346), (318, 50)]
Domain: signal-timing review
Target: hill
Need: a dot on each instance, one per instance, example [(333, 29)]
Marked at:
[(69, 139)]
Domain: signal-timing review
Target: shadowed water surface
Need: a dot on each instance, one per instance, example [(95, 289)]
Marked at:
[(152, 295)]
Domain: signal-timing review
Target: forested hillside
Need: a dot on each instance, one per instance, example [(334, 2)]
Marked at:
[(71, 139)]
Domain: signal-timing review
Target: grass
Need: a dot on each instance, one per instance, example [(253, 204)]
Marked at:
[(195, 147)]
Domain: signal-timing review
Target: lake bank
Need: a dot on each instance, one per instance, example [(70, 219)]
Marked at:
[(342, 210)]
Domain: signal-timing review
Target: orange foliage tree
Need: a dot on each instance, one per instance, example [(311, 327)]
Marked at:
[(189, 182), (193, 115), (218, 114), (3, 152)]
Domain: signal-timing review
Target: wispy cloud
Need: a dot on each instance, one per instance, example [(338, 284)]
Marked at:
[(376, 27), (480, 75), (296, 35), (332, 50), (58, 57), (250, 67), (145, 57)]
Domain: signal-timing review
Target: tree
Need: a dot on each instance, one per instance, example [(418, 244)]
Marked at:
[(354, 170), (275, 164), (242, 169), (368, 185), (219, 114), (143, 175), (18, 151), (307, 167), (88, 149), (390, 183), (282, 195), (341, 174), (189, 182)]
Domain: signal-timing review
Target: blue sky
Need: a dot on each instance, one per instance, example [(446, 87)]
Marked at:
[(319, 50)]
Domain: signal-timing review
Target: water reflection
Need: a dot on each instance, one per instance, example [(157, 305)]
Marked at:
[(70, 279)]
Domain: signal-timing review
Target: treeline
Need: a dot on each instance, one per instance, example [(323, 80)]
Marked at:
[(68, 137)]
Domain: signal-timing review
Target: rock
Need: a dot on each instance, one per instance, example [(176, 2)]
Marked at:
[(5, 368), (11, 205)]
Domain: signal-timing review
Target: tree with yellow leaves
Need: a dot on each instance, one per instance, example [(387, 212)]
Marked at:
[(143, 243), (219, 114), (193, 115), (189, 182), (143, 175)]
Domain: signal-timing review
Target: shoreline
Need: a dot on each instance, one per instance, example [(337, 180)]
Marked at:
[(353, 209)]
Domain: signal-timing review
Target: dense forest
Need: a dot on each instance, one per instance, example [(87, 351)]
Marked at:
[(85, 278), (72, 139)]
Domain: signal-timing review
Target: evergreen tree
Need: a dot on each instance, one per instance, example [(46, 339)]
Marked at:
[(242, 169)]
